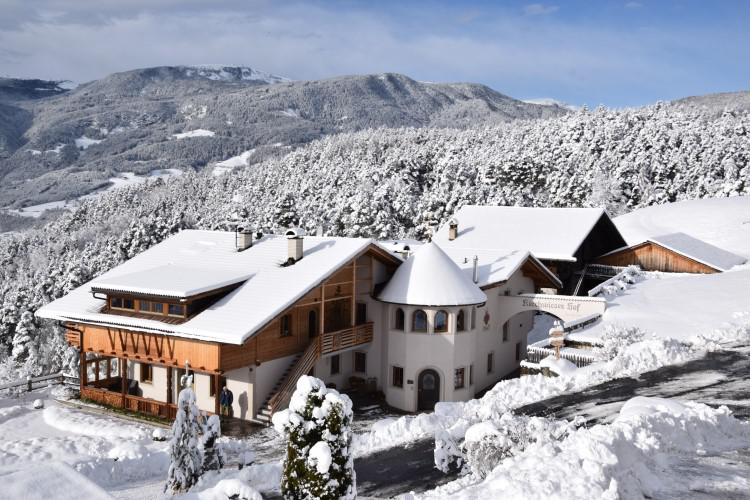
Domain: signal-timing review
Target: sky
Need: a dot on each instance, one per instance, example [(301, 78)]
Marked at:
[(616, 53)]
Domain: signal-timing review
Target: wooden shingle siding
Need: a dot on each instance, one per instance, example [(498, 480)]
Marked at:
[(653, 257)]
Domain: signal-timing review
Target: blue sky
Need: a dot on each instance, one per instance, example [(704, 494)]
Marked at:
[(617, 53)]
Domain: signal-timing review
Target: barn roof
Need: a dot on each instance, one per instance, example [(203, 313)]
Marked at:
[(699, 250), (549, 233)]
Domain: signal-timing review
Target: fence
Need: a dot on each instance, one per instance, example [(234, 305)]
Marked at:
[(37, 382)]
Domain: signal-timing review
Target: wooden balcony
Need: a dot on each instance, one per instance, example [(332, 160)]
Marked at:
[(137, 404), (73, 338), (345, 339)]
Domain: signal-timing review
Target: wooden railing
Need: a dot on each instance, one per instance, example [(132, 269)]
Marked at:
[(344, 339), (36, 382), (133, 403), (326, 343), (303, 366)]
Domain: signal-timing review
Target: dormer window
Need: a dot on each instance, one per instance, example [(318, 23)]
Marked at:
[(122, 303), (176, 310)]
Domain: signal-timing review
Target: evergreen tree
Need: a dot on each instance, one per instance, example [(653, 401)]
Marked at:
[(185, 452), (317, 425), (213, 453)]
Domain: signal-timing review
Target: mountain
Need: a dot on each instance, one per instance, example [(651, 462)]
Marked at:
[(189, 117), (715, 103)]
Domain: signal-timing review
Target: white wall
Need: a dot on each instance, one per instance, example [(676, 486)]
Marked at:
[(266, 376), (240, 382)]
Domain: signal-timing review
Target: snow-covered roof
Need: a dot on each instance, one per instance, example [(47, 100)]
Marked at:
[(548, 233), (431, 278), (268, 290), (171, 280), (699, 250)]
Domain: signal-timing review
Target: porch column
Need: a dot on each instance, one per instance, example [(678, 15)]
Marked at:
[(217, 391), (124, 379), (82, 369)]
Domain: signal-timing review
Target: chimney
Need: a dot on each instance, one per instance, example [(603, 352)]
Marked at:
[(475, 272), (452, 229), (294, 237), (243, 238)]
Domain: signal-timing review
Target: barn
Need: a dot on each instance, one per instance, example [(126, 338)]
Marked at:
[(674, 253)]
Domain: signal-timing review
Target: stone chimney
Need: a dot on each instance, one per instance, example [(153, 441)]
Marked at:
[(452, 229), (295, 244), (243, 238)]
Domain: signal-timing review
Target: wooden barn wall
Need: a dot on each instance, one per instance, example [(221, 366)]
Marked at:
[(653, 257)]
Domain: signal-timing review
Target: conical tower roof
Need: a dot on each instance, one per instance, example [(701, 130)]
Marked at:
[(431, 278)]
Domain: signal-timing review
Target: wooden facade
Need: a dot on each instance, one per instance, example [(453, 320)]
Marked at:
[(653, 257)]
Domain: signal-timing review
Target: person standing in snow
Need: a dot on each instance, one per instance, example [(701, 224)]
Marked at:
[(225, 400)]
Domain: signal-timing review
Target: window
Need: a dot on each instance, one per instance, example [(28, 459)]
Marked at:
[(147, 373), (115, 302), (471, 374), (460, 321), (473, 317), (361, 313), (128, 304), (360, 362), (397, 376), (285, 325), (157, 307), (506, 331), (419, 321), (176, 310), (490, 362), (144, 305), (441, 321), (335, 364), (399, 319), (518, 351), (458, 378)]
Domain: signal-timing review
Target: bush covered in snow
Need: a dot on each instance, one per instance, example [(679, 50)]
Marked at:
[(316, 425), (615, 339), (185, 450), (487, 443)]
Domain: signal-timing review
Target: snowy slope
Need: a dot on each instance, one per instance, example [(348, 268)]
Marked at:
[(724, 222)]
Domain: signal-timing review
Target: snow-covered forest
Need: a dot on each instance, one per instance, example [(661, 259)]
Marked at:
[(381, 183)]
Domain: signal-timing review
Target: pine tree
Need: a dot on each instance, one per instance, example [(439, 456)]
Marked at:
[(185, 451), (24, 342), (317, 426), (213, 453)]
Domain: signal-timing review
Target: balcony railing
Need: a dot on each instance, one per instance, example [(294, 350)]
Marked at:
[(344, 339), (132, 403)]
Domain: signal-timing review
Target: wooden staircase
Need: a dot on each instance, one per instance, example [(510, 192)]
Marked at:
[(303, 363)]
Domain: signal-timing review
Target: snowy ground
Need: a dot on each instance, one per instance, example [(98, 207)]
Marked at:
[(121, 180)]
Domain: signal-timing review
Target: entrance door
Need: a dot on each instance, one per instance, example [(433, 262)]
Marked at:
[(428, 389), (312, 324)]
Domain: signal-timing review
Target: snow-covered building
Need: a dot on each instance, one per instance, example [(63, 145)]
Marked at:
[(675, 253), (564, 239), (256, 312)]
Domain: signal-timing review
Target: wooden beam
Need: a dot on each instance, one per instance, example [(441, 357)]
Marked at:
[(354, 292), (216, 379), (322, 310), (169, 385)]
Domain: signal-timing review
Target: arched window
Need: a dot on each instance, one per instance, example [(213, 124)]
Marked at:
[(460, 321), (419, 321), (441, 321), (399, 319)]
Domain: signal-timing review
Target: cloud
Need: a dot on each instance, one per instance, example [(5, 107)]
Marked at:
[(538, 9)]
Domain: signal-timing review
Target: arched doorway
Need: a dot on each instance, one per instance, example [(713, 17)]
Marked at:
[(312, 324), (428, 386)]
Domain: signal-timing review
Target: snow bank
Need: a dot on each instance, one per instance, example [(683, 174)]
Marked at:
[(82, 423), (639, 455), (49, 480), (560, 366), (224, 490)]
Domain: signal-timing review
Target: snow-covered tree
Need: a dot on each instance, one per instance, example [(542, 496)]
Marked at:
[(213, 453), (316, 426), (25, 347), (185, 450)]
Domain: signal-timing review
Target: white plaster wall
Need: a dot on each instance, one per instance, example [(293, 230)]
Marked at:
[(267, 375), (202, 389), (157, 388), (240, 382)]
